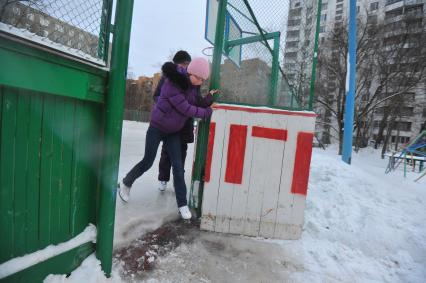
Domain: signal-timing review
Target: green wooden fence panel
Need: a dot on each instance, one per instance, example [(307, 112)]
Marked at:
[(49, 169), (33, 172), (52, 124), (7, 174)]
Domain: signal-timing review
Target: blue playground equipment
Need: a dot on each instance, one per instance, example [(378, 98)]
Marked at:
[(413, 152)]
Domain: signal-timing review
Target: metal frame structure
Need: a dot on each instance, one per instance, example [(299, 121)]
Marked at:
[(351, 85), (415, 148), (197, 184)]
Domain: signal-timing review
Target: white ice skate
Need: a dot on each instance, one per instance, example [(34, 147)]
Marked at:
[(162, 186), (123, 191), (185, 213)]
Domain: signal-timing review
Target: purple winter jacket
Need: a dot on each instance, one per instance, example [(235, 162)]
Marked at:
[(177, 101)]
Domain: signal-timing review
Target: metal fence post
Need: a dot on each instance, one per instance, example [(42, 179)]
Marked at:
[(203, 126), (114, 108), (350, 85), (103, 42), (275, 69), (315, 58)]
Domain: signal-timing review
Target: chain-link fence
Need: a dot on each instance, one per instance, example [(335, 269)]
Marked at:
[(76, 27), (253, 71)]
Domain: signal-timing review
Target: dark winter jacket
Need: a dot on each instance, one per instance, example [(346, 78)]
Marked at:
[(187, 132), (177, 101), (158, 88)]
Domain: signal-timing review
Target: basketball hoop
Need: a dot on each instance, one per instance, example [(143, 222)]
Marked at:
[(208, 51)]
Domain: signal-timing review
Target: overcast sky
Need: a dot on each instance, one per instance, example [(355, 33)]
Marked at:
[(160, 28)]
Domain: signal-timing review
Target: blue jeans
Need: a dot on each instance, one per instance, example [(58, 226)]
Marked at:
[(172, 143)]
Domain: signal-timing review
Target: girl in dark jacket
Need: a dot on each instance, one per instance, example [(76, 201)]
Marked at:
[(174, 106)]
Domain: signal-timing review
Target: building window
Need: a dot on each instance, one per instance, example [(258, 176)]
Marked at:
[(414, 11), (322, 29), (424, 112), (415, 24), (291, 55), (374, 6), (292, 23), (297, 4), (390, 2), (324, 6), (372, 19), (393, 14), (339, 12), (59, 28), (338, 1), (339, 6), (289, 66), (407, 111), (295, 12), (323, 17), (44, 22), (404, 126), (338, 18), (292, 44), (293, 33)]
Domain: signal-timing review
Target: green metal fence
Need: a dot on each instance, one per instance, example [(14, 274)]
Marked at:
[(61, 109), (258, 31), (248, 66)]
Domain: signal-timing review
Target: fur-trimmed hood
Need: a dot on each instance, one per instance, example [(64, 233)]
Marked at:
[(176, 75)]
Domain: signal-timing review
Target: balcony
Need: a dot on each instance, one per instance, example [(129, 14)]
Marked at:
[(413, 2), (394, 5)]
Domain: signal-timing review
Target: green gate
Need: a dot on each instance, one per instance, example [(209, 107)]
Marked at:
[(61, 108)]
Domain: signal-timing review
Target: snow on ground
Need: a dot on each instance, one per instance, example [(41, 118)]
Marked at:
[(20, 263), (361, 225)]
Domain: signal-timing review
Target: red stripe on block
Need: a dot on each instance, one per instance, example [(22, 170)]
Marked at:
[(269, 133), (302, 163), (209, 157), (236, 152), (263, 110)]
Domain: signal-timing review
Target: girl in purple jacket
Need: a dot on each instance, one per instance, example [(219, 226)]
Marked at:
[(174, 106)]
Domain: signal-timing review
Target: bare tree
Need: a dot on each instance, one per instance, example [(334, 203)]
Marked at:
[(390, 63)]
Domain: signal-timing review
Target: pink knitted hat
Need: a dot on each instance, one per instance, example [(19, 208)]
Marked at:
[(199, 67)]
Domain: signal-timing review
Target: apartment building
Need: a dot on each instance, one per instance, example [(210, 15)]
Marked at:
[(299, 52)]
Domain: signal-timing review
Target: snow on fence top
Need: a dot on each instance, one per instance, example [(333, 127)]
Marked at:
[(20, 263), (74, 27)]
